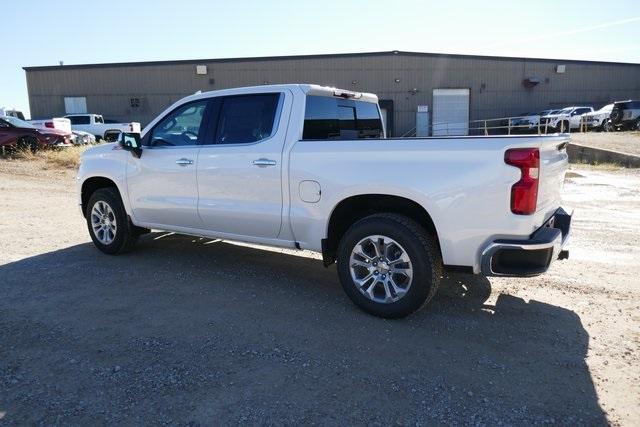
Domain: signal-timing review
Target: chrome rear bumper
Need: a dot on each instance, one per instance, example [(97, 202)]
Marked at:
[(532, 256)]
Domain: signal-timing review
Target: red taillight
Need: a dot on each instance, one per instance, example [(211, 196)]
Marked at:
[(48, 125), (524, 193)]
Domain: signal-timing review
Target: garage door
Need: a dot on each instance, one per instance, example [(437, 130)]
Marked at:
[(75, 105), (450, 112)]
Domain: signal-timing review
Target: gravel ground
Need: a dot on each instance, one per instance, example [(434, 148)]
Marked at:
[(625, 142), (192, 331)]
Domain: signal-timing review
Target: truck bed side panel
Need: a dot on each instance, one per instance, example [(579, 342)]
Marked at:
[(463, 184)]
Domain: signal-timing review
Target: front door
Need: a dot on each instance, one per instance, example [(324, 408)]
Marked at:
[(239, 174), (162, 183)]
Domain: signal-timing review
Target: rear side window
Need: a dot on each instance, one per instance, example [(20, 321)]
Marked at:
[(246, 118), (336, 118), (79, 120)]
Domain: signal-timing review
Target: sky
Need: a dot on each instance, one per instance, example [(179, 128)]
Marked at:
[(40, 32)]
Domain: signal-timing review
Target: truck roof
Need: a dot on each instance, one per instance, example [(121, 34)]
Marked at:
[(308, 89)]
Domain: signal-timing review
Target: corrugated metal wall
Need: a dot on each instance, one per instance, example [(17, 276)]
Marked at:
[(406, 79)]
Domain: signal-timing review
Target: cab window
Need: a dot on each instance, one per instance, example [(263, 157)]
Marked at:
[(246, 119), (180, 127)]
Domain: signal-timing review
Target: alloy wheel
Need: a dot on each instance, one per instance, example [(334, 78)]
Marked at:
[(381, 269), (103, 222)]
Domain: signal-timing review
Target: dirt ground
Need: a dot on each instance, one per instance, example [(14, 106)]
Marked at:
[(624, 142), (193, 331)]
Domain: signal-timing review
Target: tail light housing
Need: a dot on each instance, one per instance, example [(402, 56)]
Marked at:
[(48, 125), (524, 193)]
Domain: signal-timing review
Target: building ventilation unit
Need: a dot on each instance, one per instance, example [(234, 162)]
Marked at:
[(531, 82)]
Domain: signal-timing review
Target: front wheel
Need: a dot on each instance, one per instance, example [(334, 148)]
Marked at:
[(109, 226), (608, 126), (388, 265)]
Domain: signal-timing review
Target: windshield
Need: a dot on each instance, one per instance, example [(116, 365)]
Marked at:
[(566, 110), (18, 123)]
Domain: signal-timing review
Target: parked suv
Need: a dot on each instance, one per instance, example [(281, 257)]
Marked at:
[(566, 119), (625, 116), (598, 119)]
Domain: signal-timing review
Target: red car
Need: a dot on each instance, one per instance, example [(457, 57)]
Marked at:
[(16, 133)]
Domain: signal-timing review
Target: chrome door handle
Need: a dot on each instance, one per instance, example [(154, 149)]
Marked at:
[(263, 162), (184, 162)]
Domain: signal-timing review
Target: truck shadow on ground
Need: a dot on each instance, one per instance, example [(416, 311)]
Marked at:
[(190, 330)]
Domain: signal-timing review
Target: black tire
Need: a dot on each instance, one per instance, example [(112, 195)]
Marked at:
[(563, 126), (126, 234), (421, 249), (29, 143), (607, 126)]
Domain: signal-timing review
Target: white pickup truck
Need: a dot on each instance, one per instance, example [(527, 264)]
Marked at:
[(309, 167), (58, 123), (95, 125)]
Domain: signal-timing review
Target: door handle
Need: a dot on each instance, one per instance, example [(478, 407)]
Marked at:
[(184, 162), (263, 162)]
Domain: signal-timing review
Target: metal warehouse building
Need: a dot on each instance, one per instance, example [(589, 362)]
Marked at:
[(451, 87)]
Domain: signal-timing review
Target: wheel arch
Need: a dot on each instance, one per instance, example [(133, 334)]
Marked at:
[(353, 208), (110, 131), (91, 185)]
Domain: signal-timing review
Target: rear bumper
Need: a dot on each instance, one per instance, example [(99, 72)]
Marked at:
[(532, 256)]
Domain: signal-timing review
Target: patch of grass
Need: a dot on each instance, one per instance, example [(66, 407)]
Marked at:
[(58, 158)]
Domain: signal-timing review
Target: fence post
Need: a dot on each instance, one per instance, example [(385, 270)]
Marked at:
[(486, 131), (539, 125), (509, 129)]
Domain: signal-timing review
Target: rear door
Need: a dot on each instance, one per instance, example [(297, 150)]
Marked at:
[(240, 171), (82, 123)]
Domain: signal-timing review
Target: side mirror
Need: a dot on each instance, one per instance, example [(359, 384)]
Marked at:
[(130, 141)]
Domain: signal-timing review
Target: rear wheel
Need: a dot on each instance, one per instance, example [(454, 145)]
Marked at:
[(28, 143), (388, 265), (109, 225)]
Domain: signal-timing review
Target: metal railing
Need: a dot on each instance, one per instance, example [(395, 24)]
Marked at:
[(501, 126)]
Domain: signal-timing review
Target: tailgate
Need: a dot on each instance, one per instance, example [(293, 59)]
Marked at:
[(553, 166), (62, 124)]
